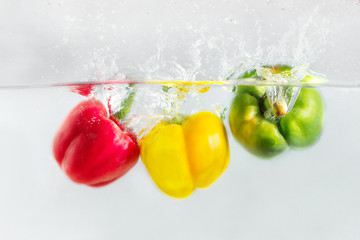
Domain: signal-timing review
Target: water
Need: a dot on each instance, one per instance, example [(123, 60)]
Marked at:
[(50, 48), (314, 188)]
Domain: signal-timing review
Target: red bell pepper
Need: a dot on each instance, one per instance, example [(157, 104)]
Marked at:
[(93, 149)]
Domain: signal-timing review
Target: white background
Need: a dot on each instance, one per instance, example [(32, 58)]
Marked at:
[(305, 194)]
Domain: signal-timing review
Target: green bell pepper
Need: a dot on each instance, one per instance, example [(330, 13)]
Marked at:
[(268, 124)]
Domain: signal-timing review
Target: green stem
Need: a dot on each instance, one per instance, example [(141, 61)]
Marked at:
[(126, 103), (178, 119), (277, 109), (280, 108), (165, 88)]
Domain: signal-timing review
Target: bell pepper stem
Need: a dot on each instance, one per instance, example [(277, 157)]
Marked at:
[(126, 103), (280, 108), (165, 88), (178, 119)]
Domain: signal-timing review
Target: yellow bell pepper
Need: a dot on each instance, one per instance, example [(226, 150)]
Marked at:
[(182, 157)]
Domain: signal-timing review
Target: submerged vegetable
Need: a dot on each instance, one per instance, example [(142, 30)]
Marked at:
[(182, 157), (268, 128), (93, 149)]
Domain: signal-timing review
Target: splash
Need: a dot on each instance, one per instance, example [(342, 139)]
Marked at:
[(208, 56)]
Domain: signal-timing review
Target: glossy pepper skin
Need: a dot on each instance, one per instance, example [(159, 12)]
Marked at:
[(182, 157), (93, 149), (298, 128)]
